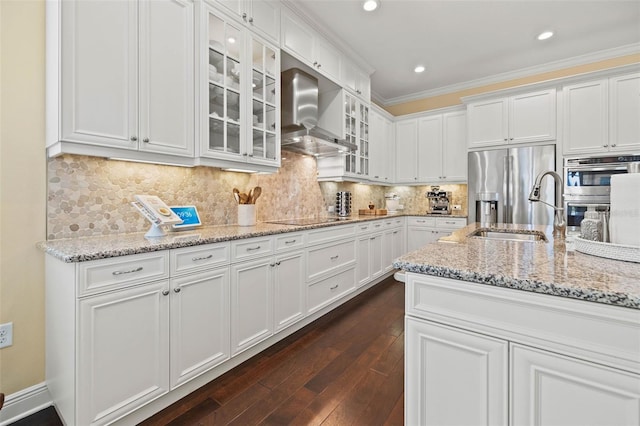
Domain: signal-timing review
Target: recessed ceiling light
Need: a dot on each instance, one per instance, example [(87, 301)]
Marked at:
[(545, 35), (419, 69), (370, 5)]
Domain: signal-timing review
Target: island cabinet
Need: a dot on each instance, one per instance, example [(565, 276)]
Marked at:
[(422, 230), (521, 118), (120, 79), (478, 354)]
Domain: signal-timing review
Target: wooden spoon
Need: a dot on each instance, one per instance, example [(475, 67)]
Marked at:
[(244, 198), (256, 193), (250, 197), (235, 195)]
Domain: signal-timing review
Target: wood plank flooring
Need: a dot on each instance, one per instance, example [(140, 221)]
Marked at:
[(346, 368)]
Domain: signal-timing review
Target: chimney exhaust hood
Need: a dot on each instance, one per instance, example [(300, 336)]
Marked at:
[(300, 111)]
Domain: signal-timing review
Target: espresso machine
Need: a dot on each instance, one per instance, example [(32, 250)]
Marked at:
[(439, 201)]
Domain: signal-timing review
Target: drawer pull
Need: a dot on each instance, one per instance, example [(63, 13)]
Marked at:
[(364, 228), (195, 259), (177, 289), (253, 248), (334, 287), (449, 222), (377, 226), (421, 221), (138, 269), (335, 257), (290, 241)]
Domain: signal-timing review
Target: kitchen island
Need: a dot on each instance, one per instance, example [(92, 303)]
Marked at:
[(519, 332)]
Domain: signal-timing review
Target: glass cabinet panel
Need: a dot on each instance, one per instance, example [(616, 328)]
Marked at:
[(264, 122), (350, 132), (225, 111), (363, 136)]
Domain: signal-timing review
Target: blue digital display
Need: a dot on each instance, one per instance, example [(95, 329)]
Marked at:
[(189, 216)]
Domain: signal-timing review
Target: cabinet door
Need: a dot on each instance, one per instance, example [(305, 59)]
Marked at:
[(454, 147), (532, 117), (430, 149), (297, 38), (351, 133), (419, 236), (167, 89), (251, 304), (99, 78), (376, 253), (550, 389), (457, 377), (407, 151), (289, 290), (123, 351), (624, 110), (264, 17), (487, 123), (585, 117), (363, 139), (363, 264), (199, 323), (327, 58)]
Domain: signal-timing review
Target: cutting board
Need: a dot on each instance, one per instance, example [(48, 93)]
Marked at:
[(372, 212)]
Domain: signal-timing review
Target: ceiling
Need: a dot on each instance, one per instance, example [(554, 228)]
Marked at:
[(463, 42)]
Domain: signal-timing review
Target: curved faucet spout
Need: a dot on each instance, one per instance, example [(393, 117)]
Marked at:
[(559, 225)]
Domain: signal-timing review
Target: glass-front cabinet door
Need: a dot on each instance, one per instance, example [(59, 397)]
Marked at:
[(357, 132), (363, 140), (243, 95), (350, 123), (265, 89)]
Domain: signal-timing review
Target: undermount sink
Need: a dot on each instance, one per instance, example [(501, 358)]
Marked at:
[(509, 234)]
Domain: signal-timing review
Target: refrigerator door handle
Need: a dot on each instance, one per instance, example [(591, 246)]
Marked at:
[(506, 189)]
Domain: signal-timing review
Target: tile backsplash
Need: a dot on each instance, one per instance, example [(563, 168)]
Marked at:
[(90, 196)]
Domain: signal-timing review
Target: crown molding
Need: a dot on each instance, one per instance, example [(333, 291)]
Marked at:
[(512, 75)]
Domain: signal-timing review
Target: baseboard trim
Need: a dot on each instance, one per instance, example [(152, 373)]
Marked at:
[(24, 403)]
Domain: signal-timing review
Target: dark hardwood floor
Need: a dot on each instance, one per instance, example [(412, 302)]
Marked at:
[(346, 368)]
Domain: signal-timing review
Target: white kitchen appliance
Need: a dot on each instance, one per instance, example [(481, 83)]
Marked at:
[(156, 212)]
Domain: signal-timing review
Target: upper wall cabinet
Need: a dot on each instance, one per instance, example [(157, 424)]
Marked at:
[(308, 46), (261, 16), (381, 148), (602, 116), (240, 112), (355, 80), (524, 118), (120, 78)]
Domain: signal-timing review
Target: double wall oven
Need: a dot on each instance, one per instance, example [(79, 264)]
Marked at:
[(587, 184)]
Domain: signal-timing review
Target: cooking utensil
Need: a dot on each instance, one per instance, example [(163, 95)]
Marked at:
[(235, 195), (256, 193), (244, 198), (250, 197)]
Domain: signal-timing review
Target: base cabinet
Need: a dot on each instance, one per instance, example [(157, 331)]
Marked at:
[(454, 377)]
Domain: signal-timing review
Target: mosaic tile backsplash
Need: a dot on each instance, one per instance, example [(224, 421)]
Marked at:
[(90, 196)]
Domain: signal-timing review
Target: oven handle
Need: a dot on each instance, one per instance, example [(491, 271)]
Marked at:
[(610, 167)]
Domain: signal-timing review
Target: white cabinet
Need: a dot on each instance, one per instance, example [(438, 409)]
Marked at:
[(602, 116), (199, 322), (241, 112), (381, 148), (289, 289), (422, 230), (432, 148), (120, 78), (123, 351), (356, 80), (522, 118), (551, 389), (454, 376), (569, 362), (393, 245), (310, 47), (261, 16)]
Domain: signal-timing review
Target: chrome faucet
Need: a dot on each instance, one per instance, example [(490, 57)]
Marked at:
[(559, 225)]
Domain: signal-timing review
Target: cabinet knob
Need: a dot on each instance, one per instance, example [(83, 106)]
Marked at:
[(358, 92), (134, 138), (319, 65), (165, 292), (505, 139), (177, 289), (244, 16), (511, 139), (604, 146), (145, 140), (251, 20), (613, 145), (315, 64)]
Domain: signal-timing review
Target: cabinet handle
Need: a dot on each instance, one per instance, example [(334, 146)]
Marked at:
[(290, 242), (358, 92), (449, 222), (138, 269), (505, 139), (253, 248), (604, 146), (244, 16), (395, 232), (420, 221), (177, 289), (277, 263), (165, 292), (134, 138), (195, 259), (613, 145), (272, 265), (251, 20), (319, 65), (145, 140), (315, 64), (250, 155), (511, 139), (244, 154), (334, 287), (335, 257)]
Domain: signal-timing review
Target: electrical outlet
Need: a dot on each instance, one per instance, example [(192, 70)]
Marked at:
[(6, 335), (457, 207)]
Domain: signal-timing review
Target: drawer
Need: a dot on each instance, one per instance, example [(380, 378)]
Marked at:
[(451, 222), (421, 221), (363, 228), (377, 225), (329, 233), (118, 272), (330, 289), (325, 259), (193, 259), (289, 241), (251, 248), (393, 222)]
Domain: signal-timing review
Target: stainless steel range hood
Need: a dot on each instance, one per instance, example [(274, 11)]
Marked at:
[(300, 111)]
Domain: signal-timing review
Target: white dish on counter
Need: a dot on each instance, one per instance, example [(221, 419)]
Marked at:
[(608, 250)]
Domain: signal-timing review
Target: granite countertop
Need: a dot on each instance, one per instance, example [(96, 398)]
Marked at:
[(100, 247), (539, 267)]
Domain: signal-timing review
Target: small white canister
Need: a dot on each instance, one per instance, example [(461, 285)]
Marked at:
[(246, 214)]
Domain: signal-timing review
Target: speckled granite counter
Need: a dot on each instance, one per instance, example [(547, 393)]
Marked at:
[(530, 266)]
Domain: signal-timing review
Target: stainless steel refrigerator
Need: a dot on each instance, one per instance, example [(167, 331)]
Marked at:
[(510, 174)]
